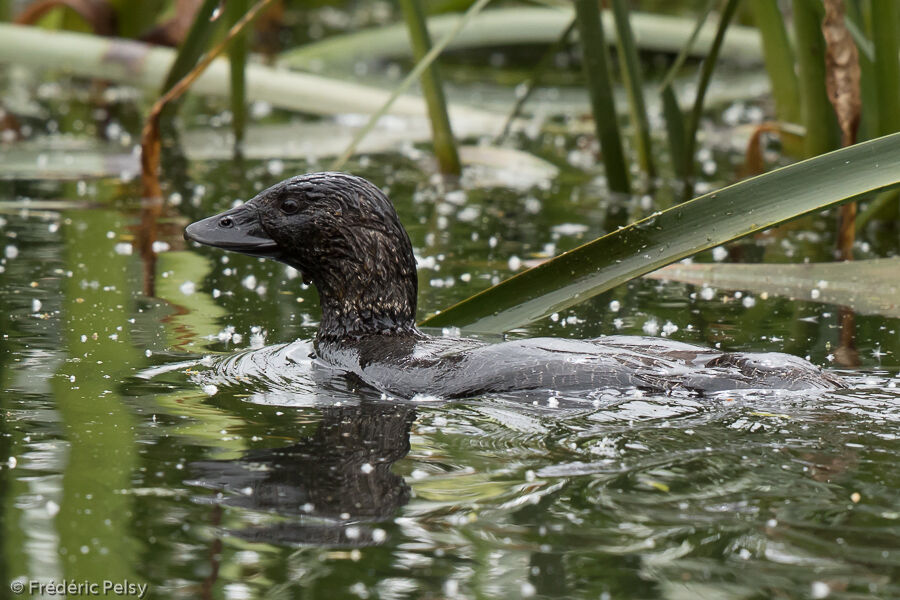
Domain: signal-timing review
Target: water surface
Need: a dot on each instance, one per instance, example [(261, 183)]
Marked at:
[(150, 439)]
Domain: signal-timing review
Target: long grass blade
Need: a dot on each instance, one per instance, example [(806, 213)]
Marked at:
[(432, 90), (596, 71), (706, 71), (416, 72), (733, 212), (634, 86)]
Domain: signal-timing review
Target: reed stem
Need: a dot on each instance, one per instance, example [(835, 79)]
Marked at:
[(596, 70), (420, 67), (634, 86), (442, 134), (885, 19), (816, 112), (706, 71), (237, 62), (778, 55)]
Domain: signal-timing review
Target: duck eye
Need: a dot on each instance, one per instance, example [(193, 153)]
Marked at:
[(289, 207), (226, 223)]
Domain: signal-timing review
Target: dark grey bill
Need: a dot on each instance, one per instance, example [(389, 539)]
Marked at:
[(237, 230)]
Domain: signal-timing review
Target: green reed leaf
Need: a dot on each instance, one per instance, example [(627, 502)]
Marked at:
[(707, 221)]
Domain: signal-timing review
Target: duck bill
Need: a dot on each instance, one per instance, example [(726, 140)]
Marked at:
[(238, 230)]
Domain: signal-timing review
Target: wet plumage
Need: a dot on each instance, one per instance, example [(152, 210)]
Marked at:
[(343, 234)]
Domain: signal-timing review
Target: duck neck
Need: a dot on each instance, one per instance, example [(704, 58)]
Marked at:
[(379, 303)]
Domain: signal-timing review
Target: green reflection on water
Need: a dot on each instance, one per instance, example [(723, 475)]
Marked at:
[(96, 509), (195, 314)]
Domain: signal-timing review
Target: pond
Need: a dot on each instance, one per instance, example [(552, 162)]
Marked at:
[(144, 440)]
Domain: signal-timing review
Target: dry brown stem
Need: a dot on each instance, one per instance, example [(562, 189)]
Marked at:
[(150, 148), (842, 75), (841, 70), (754, 164)]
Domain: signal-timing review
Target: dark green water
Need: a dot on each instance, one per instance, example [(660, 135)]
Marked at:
[(124, 458)]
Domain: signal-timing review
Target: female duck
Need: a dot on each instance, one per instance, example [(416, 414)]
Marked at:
[(343, 235)]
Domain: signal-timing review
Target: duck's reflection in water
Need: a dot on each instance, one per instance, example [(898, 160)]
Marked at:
[(329, 486)]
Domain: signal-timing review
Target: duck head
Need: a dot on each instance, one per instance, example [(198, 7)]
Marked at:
[(343, 234)]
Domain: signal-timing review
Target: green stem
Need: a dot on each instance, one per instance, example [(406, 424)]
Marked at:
[(420, 67), (237, 59), (675, 131), (817, 114), (706, 72), (778, 55), (672, 113), (779, 58), (634, 85), (444, 145), (596, 70), (868, 119), (885, 19)]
